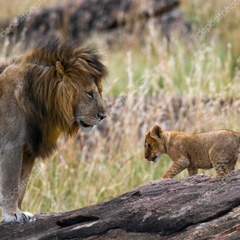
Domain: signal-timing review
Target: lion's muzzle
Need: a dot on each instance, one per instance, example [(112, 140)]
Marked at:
[(89, 122)]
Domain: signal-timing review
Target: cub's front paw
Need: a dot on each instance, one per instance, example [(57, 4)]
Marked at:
[(22, 217), (165, 178)]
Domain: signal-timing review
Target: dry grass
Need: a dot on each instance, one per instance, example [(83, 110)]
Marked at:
[(12, 8), (164, 85)]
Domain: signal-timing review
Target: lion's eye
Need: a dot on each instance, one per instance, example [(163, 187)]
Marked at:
[(148, 146), (90, 95)]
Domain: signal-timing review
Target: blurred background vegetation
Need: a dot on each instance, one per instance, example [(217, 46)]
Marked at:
[(190, 84)]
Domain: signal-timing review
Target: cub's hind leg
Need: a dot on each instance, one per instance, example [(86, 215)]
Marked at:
[(232, 164), (221, 168), (225, 165), (192, 171), (220, 160)]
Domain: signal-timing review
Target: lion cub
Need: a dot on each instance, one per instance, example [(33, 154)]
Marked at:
[(217, 149)]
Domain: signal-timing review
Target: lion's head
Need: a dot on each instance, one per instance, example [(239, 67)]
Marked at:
[(61, 90), (154, 147)]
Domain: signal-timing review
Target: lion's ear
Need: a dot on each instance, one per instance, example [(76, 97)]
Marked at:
[(157, 131), (60, 68)]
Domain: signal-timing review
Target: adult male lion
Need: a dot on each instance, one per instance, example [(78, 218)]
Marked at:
[(53, 89)]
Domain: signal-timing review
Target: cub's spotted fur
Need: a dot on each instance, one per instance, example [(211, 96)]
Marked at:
[(216, 149)]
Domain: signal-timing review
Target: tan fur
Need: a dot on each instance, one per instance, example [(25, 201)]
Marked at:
[(216, 149), (53, 89)]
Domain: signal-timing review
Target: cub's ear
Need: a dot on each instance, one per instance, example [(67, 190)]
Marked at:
[(59, 68), (157, 131)]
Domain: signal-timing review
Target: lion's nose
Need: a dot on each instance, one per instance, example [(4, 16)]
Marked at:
[(102, 115)]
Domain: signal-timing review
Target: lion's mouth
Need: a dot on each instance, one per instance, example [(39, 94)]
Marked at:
[(85, 125)]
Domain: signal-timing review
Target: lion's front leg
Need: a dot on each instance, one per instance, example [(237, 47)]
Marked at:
[(27, 165), (10, 169)]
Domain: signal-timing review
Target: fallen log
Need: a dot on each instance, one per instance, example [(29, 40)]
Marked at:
[(197, 207)]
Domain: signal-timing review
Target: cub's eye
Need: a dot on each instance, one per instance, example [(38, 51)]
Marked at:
[(148, 146), (90, 95)]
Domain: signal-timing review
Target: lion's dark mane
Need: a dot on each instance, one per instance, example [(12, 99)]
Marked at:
[(49, 94)]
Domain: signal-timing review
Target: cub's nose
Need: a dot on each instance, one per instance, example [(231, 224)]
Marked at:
[(102, 115)]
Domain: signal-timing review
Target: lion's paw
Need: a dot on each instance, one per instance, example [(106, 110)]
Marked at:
[(22, 217)]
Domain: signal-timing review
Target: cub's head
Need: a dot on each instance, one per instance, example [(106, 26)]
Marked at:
[(154, 146)]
